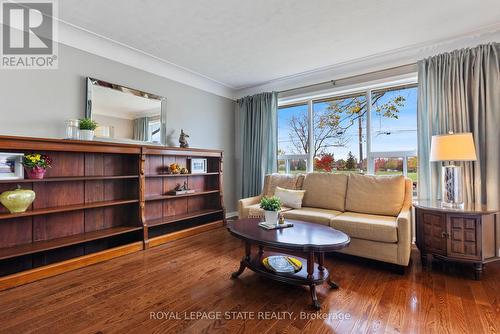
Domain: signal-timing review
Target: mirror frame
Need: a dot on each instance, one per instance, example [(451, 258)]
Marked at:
[(163, 115)]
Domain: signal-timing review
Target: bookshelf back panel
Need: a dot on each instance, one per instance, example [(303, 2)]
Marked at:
[(175, 206), (16, 231), (108, 164), (154, 210)]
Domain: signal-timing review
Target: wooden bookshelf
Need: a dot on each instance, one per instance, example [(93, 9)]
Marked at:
[(182, 175), (181, 217), (66, 208), (99, 201), (160, 197), (45, 245), (74, 178), (168, 214)]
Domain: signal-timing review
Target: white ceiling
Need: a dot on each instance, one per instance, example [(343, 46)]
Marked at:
[(245, 43)]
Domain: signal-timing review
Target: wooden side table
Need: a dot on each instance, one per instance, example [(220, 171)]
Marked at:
[(470, 234)]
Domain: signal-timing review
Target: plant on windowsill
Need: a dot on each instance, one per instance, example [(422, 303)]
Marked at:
[(271, 207), (87, 127)]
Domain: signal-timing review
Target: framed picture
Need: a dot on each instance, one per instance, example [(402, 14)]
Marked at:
[(11, 166), (198, 166)]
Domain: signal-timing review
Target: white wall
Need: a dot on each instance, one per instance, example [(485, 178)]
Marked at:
[(37, 102)]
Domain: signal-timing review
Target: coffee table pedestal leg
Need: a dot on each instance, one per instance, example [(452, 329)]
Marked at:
[(244, 260), (321, 267), (312, 287)]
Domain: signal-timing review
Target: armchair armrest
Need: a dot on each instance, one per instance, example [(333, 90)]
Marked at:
[(404, 235), (244, 203)]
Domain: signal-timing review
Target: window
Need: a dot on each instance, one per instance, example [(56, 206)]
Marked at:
[(394, 131), (339, 138), (154, 131), (293, 136), (349, 135)]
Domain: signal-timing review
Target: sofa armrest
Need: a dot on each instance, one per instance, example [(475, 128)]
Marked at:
[(404, 235), (244, 203)]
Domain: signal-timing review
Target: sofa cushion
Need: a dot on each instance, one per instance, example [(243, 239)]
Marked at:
[(368, 227), (254, 211), (287, 181), (377, 195), (290, 198), (325, 190), (312, 215)]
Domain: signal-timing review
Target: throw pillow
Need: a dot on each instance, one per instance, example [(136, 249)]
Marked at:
[(290, 198)]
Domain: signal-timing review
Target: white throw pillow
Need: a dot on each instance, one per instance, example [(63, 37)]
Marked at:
[(290, 198)]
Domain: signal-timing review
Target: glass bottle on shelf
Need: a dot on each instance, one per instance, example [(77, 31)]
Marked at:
[(72, 129)]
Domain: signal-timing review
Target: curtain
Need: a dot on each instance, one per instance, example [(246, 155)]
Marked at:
[(256, 141), (460, 92), (141, 129)]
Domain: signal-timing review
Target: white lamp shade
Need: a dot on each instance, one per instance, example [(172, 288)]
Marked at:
[(453, 147)]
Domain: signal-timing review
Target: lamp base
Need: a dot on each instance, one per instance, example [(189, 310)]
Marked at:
[(451, 186)]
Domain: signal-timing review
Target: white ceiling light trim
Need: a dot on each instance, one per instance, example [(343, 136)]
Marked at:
[(377, 62), (88, 41)]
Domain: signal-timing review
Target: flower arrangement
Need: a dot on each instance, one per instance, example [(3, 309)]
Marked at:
[(36, 165), (270, 203), (37, 160)]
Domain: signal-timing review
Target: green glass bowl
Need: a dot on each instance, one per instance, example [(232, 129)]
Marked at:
[(17, 201)]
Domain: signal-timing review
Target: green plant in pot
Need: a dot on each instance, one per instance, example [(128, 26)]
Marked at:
[(87, 127), (271, 207), (36, 165)]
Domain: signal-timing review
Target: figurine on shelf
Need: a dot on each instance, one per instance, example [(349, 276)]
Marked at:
[(174, 168), (182, 190), (184, 170), (182, 139), (178, 187)]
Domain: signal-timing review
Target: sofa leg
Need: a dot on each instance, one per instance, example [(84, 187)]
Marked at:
[(400, 270)]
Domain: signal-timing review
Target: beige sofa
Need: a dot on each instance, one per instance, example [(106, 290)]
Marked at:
[(374, 211)]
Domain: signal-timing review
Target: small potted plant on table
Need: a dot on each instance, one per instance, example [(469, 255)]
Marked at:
[(36, 165), (271, 207), (87, 127)]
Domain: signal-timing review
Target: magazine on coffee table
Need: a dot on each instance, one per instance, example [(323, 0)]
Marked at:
[(273, 226)]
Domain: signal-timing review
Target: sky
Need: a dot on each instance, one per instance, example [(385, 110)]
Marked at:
[(387, 134)]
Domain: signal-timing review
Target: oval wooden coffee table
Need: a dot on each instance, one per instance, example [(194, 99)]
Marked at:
[(305, 238)]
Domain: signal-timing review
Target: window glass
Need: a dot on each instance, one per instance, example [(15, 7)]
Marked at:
[(394, 120), (340, 134)]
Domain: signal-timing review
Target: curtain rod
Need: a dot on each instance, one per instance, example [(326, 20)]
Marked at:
[(332, 82)]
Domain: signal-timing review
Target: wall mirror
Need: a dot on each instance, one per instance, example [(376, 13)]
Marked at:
[(126, 114)]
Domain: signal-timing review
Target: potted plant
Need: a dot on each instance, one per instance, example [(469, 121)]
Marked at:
[(87, 127), (36, 165), (271, 206)]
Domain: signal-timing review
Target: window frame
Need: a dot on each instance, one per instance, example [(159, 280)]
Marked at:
[(371, 156)]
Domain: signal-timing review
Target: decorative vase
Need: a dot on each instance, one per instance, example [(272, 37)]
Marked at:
[(18, 200), (86, 134), (36, 172), (271, 217)]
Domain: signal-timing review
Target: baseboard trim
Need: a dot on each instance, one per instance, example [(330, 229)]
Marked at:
[(54, 269), (231, 214), (162, 239)]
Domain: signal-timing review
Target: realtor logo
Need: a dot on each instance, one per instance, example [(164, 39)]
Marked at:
[(28, 34)]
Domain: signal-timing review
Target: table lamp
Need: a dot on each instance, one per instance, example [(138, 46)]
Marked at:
[(452, 147)]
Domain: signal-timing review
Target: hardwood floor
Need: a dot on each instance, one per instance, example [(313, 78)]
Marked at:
[(129, 294)]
